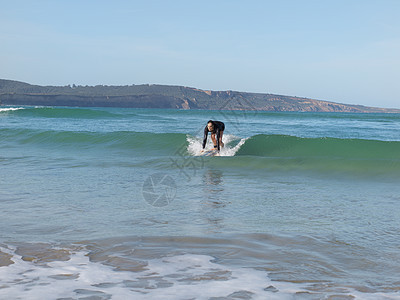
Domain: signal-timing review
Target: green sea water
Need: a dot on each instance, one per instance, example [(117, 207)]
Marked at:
[(117, 204)]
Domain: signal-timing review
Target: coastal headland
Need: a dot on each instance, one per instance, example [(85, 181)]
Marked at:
[(165, 96)]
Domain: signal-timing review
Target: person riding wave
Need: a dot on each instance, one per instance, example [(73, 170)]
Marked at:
[(217, 129)]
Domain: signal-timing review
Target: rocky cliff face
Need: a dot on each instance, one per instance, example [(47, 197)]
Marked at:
[(159, 96)]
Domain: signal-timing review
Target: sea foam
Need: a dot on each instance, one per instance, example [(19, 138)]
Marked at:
[(231, 142), (185, 276), (170, 277), (10, 109)]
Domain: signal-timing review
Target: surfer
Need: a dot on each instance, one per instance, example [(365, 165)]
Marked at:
[(216, 128)]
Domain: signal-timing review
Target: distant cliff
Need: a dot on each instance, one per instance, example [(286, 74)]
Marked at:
[(163, 96)]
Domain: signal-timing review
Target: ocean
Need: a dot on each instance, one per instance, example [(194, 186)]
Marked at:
[(111, 203)]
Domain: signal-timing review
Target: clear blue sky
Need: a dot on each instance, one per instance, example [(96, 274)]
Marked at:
[(345, 51)]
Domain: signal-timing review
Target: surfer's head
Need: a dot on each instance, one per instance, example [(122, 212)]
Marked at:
[(210, 125)]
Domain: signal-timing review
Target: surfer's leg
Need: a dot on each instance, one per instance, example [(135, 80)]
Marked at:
[(214, 140), (220, 138)]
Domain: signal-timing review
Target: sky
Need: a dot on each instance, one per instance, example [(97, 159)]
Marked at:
[(345, 51)]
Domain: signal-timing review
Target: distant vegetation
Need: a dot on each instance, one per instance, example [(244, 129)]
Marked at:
[(163, 96)]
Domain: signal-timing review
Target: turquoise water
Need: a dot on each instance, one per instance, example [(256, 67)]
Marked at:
[(117, 203)]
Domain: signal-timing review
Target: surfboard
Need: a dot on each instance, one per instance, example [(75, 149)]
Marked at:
[(211, 152)]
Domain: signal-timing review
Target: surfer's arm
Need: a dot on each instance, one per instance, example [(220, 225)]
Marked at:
[(205, 137), (218, 136)]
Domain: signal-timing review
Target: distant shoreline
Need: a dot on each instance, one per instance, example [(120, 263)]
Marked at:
[(164, 96)]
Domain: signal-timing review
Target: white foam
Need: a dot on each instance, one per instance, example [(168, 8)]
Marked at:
[(10, 109), (195, 145), (176, 277), (187, 276)]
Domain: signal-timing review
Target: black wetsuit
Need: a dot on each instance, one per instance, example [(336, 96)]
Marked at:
[(217, 128)]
